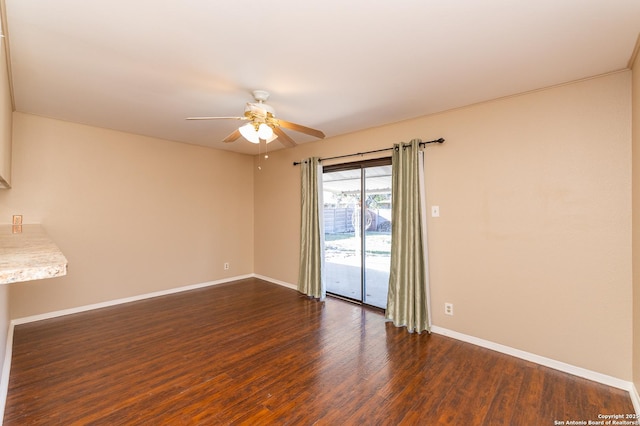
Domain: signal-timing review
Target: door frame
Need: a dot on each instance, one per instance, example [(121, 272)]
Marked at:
[(361, 165)]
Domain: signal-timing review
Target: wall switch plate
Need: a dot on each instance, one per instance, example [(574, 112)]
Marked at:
[(435, 211), (17, 219)]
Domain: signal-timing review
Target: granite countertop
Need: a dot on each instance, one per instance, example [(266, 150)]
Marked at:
[(28, 255)]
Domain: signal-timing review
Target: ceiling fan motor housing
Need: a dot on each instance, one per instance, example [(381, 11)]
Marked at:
[(260, 95), (260, 107)]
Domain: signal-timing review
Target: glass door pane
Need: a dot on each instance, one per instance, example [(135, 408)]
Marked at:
[(377, 234), (357, 230), (343, 245)]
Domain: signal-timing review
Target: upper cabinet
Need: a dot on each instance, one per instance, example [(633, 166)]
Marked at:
[(6, 117)]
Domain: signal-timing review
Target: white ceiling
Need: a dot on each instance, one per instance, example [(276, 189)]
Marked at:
[(142, 66)]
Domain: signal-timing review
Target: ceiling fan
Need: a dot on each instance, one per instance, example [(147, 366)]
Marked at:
[(262, 123)]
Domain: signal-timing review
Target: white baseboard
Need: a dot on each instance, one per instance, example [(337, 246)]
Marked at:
[(108, 303), (635, 398), (85, 308), (274, 281), (547, 362), (6, 370)]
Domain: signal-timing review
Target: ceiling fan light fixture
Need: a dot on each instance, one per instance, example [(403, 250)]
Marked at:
[(265, 131), (249, 132)]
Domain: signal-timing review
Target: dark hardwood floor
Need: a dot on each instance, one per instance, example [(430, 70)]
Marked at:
[(257, 353)]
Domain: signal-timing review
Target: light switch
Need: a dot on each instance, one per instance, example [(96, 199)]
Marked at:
[(435, 211)]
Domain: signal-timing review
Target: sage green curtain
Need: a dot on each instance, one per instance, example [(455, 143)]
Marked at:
[(407, 297), (310, 280)]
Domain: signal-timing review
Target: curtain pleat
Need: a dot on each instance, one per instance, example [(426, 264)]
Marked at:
[(407, 297), (310, 280)]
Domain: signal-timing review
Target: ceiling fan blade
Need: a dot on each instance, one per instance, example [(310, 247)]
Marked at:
[(233, 136), (216, 118), (301, 129), (284, 138)]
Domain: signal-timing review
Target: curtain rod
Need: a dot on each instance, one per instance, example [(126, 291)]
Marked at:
[(422, 144)]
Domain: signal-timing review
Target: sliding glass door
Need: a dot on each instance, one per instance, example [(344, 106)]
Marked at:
[(357, 230)]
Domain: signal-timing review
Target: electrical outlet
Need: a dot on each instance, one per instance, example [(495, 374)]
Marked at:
[(17, 219), (435, 211), (448, 308), (226, 266)]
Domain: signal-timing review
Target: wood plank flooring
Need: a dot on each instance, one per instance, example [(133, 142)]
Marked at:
[(257, 353)]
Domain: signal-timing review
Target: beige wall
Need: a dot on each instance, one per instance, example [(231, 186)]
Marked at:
[(533, 244), (6, 109), (636, 221), (132, 214)]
